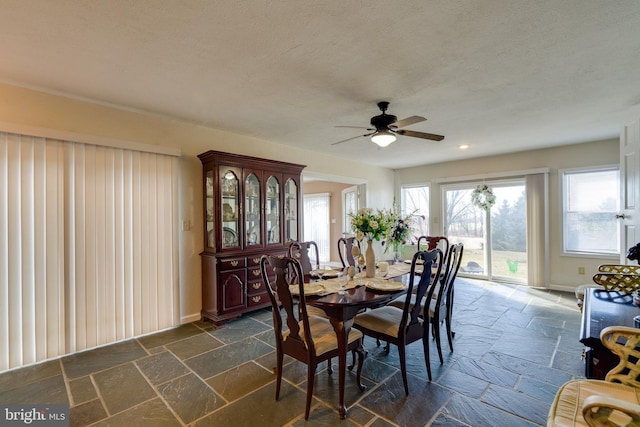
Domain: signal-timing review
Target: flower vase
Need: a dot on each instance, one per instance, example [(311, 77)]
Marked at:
[(370, 260), (396, 256)]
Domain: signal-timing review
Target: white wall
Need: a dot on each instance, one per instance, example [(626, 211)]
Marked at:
[(563, 269)]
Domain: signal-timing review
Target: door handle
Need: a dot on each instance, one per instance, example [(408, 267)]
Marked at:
[(620, 216)]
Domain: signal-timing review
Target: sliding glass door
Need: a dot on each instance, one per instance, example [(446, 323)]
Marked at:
[(495, 245)]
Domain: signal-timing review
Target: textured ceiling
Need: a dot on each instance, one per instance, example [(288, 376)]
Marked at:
[(499, 75)]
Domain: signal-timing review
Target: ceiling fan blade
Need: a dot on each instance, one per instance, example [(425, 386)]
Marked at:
[(422, 135), (353, 137), (407, 122), (355, 127)]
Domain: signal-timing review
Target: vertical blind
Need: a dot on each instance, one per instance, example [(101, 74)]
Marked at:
[(88, 246), (316, 222)]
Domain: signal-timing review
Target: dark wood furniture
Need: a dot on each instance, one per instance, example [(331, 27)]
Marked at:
[(429, 243), (602, 309), (308, 339), (307, 255), (403, 326), (341, 310), (252, 207), (345, 250), (441, 298)]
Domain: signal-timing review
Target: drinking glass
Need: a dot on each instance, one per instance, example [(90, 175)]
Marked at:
[(343, 279), (384, 268)]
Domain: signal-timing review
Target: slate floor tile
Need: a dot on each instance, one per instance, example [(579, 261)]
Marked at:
[(463, 383), (514, 347), (226, 357), (48, 390), (82, 390), (172, 335), (478, 414), (260, 409), (153, 413), (122, 387), (194, 345), (516, 403), (29, 374), (161, 367), (86, 413), (84, 363), (240, 329), (241, 380), (190, 397), (389, 400)]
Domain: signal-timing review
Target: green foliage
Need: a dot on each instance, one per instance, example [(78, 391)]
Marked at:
[(509, 225)]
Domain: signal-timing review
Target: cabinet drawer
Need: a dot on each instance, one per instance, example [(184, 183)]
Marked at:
[(253, 260), (253, 274), (255, 287), (232, 263), (257, 299)]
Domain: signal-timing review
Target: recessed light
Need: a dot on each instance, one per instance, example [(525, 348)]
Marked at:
[(463, 146)]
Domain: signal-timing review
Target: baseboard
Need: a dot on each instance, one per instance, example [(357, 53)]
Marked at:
[(562, 288), (190, 318)]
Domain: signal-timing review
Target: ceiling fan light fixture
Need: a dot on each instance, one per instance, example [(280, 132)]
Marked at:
[(383, 138)]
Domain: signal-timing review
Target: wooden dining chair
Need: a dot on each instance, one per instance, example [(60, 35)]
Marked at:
[(307, 338), (403, 326), (345, 246), (440, 299), (429, 243), (307, 255)]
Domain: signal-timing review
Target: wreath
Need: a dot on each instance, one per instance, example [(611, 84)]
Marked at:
[(483, 197)]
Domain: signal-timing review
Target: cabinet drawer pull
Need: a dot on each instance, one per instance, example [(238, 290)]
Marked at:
[(234, 263), (256, 272), (257, 286), (257, 298), (256, 260)]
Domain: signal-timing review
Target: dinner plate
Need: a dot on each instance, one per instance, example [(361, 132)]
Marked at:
[(326, 274), (309, 289), (385, 286), (409, 261)]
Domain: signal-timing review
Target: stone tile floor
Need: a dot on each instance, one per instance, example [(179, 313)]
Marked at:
[(514, 347)]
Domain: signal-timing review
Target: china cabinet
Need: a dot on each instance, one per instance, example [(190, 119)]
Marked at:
[(252, 207)]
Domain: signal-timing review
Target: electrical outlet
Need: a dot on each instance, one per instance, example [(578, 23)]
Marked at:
[(580, 270)]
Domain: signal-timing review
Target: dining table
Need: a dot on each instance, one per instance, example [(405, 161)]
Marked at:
[(361, 293)]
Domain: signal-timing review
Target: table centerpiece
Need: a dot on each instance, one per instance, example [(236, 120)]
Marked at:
[(371, 226)]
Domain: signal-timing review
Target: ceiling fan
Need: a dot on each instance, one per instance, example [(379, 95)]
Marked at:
[(385, 127)]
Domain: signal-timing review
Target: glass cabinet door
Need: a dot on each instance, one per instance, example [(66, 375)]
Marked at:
[(209, 220), (272, 210), (252, 211), (229, 188), (291, 210)]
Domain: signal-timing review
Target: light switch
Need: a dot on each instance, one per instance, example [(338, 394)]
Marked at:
[(186, 225)]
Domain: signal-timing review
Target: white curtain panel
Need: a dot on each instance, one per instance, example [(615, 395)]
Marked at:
[(537, 229), (88, 246)]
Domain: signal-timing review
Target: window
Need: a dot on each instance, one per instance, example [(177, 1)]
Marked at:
[(349, 206), (415, 199), (591, 199), (495, 242)]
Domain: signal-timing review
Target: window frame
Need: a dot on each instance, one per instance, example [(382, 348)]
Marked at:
[(402, 206), (562, 173)]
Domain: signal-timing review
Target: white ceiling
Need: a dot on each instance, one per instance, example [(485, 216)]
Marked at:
[(500, 75)]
